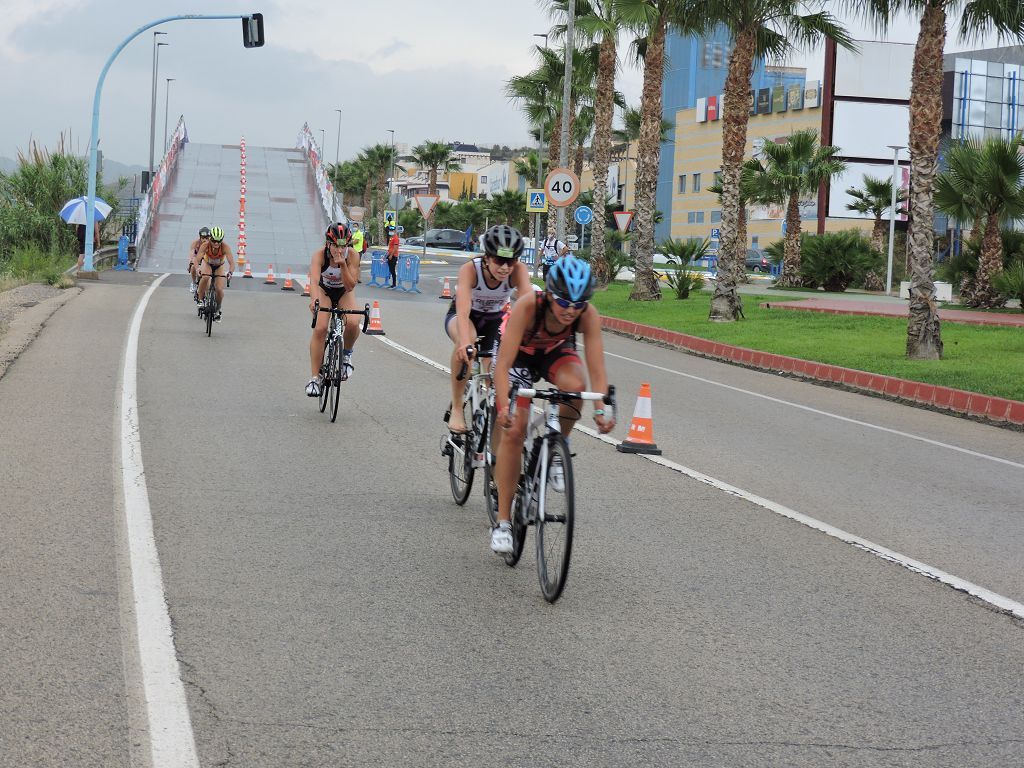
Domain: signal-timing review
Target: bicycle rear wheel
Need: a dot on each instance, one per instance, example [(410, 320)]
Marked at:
[(519, 525), (555, 518), (460, 463), (334, 373), (325, 376)]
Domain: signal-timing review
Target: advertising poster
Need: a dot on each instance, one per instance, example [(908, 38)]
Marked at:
[(764, 101)]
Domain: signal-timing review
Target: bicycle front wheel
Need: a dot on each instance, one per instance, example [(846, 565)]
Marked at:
[(460, 463), (555, 521), (334, 373), (490, 484), (325, 375), (209, 314)]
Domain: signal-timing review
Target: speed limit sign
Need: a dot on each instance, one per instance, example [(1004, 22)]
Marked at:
[(562, 186)]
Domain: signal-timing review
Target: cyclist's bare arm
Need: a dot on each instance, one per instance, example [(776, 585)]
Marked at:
[(590, 326), (518, 321), (464, 330), (350, 271)]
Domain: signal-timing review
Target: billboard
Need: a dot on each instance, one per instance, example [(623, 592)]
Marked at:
[(795, 97), (764, 101), (877, 71), (712, 107), (853, 176), (779, 98), (864, 129)]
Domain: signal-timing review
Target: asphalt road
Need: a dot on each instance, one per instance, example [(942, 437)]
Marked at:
[(332, 606)]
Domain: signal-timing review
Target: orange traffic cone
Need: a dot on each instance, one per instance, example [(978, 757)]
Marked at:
[(375, 329), (288, 281), (641, 430), (241, 260), (270, 276), (248, 270), (305, 287), (446, 292)]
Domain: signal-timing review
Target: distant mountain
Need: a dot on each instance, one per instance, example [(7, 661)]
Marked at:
[(7, 165), (111, 170)]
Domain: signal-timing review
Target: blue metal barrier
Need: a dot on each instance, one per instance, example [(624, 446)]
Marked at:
[(408, 272), (379, 270), (122, 254), (775, 270), (529, 256)]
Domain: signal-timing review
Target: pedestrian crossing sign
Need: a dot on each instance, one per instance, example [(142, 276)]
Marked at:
[(536, 201)]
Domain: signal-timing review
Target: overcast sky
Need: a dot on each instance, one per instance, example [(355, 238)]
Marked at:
[(429, 69)]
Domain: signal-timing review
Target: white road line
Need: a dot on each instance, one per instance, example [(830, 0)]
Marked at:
[(818, 412), (986, 595), (172, 743)]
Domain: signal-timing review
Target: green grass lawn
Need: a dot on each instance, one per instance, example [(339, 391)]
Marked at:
[(976, 358)]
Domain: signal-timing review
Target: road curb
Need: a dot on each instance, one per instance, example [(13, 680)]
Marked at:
[(957, 401), (24, 328)]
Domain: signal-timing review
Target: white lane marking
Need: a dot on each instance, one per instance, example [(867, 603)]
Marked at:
[(916, 566), (818, 412), (172, 742)]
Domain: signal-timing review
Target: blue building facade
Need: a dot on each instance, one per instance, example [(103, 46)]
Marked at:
[(696, 68)]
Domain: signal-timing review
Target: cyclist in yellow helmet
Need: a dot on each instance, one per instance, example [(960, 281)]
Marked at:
[(216, 262)]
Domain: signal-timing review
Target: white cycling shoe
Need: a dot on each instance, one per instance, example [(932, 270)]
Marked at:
[(556, 475), (313, 388), (501, 539)]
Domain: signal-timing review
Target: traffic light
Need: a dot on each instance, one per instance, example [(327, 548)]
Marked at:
[(252, 30)]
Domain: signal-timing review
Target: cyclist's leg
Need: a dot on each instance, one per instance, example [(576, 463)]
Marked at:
[(319, 338), (455, 420), (353, 328), (564, 369), (204, 280), (510, 446), (219, 281)]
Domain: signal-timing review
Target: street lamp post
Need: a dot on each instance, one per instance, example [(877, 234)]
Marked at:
[(323, 140), (540, 172), (892, 213), (337, 145), (152, 105), (167, 104), (391, 182), (563, 150)]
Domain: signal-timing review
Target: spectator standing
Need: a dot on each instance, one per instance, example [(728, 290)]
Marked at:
[(551, 250), (80, 234), (393, 243)]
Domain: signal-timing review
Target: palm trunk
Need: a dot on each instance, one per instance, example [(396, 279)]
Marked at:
[(990, 263), (790, 277), (726, 305), (924, 336), (740, 265), (376, 201), (878, 234), (604, 107), (645, 284)]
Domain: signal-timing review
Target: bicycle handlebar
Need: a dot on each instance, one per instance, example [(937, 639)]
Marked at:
[(470, 353), (559, 396), (365, 312)]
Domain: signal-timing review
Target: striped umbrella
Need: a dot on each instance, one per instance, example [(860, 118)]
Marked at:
[(73, 211)]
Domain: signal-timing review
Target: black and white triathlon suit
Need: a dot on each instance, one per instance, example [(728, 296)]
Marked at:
[(485, 309), (330, 278)]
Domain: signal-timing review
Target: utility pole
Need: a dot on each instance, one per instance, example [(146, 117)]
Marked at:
[(540, 172), (391, 184), (563, 150), (167, 104), (152, 106)]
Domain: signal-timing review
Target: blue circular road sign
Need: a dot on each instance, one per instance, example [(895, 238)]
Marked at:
[(584, 215)]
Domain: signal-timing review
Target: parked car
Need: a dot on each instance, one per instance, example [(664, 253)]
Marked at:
[(418, 240), (757, 261), (441, 238)]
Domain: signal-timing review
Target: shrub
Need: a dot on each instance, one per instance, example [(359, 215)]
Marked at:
[(682, 280), (836, 260), (1010, 282)]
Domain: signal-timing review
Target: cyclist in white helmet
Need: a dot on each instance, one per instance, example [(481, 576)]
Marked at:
[(481, 292)]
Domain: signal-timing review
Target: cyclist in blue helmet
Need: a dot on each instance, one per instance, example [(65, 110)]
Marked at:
[(539, 342)]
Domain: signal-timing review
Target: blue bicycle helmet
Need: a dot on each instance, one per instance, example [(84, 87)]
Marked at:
[(571, 279)]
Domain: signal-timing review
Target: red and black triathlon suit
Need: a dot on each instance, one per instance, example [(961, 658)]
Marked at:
[(542, 353)]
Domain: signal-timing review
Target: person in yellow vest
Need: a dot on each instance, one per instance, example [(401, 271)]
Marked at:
[(358, 246)]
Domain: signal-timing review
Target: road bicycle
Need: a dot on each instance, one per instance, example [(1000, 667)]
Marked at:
[(471, 450), (208, 306), (543, 499), (330, 369)]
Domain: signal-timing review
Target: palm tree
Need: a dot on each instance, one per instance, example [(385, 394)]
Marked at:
[(434, 157), (924, 335), (874, 199), (650, 20), (758, 28), (510, 206), (597, 22), (984, 182), (378, 161), (349, 178), (785, 172)]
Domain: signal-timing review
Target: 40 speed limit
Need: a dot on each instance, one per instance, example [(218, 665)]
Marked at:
[(562, 186)]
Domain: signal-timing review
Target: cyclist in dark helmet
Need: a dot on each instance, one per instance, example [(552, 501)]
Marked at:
[(333, 273), (483, 287), (539, 342), (193, 259)]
